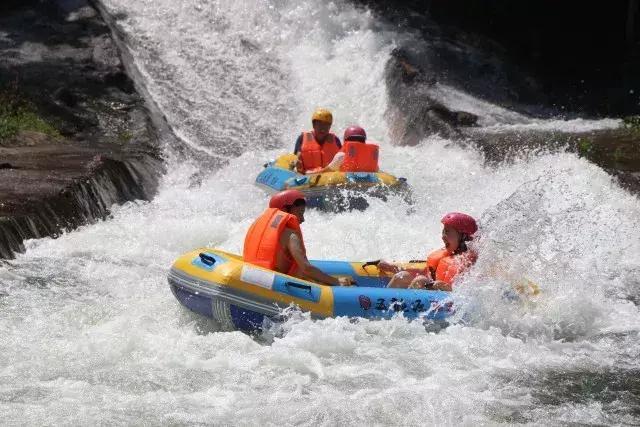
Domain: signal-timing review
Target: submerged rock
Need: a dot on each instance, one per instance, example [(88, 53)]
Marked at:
[(419, 105), (416, 112)]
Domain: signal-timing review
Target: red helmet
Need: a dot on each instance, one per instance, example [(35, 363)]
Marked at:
[(285, 198), (460, 222), (355, 133)]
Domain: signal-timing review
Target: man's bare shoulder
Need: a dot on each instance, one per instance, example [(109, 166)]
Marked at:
[(289, 234)]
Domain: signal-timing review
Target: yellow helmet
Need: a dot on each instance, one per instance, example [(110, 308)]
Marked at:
[(322, 115)]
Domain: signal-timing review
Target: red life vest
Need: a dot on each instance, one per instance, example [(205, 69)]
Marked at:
[(359, 157), (262, 242), (444, 267), (315, 155)]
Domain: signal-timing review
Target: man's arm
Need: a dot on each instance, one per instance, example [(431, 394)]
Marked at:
[(334, 165), (442, 286), (392, 267), (298, 146), (294, 245)]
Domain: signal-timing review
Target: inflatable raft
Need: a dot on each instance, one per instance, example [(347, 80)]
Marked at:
[(331, 190), (219, 285)]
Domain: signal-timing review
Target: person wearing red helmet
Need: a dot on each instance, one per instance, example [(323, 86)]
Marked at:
[(443, 265), (355, 133), (274, 241), (355, 156)]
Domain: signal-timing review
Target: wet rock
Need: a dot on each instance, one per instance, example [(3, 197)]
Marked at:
[(462, 118), (62, 70), (416, 113), (29, 138), (414, 108), (81, 14), (563, 56), (65, 95), (615, 150), (105, 54)]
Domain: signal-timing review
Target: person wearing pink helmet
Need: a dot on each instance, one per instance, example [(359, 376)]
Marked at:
[(274, 241), (443, 265)]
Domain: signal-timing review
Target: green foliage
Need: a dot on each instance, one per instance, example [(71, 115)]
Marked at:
[(585, 145), (18, 114), (125, 136), (632, 122)]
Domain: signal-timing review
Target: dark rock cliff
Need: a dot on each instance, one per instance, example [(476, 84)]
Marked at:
[(75, 136), (542, 59), (569, 56)]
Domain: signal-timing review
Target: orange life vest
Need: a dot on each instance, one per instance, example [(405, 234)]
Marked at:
[(262, 242), (444, 266), (315, 155), (360, 157)]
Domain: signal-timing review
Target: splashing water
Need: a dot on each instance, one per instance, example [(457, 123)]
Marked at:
[(92, 334)]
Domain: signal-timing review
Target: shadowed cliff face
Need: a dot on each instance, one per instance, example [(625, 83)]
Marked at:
[(568, 57), (486, 73), (75, 137)]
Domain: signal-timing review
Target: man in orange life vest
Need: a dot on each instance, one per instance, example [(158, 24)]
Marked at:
[(443, 265), (356, 155), (274, 240), (316, 148)]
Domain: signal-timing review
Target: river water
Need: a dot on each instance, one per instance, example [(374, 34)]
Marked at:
[(92, 335)]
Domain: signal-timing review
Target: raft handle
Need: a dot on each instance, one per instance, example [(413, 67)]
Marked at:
[(370, 263), (298, 285), (207, 259), (314, 180)]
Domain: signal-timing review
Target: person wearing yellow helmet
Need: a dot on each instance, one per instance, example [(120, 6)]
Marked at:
[(316, 148)]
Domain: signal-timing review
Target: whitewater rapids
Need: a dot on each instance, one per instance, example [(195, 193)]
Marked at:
[(92, 335)]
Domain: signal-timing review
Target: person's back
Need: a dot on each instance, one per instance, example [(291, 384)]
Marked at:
[(265, 242), (359, 154)]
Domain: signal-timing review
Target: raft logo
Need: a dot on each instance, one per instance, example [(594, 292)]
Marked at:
[(365, 302), (276, 221), (262, 278)]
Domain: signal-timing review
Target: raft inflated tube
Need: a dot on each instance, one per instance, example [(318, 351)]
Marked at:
[(326, 190), (281, 175), (221, 286)]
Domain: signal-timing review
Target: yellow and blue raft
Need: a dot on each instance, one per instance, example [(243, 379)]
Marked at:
[(239, 295), (331, 190)]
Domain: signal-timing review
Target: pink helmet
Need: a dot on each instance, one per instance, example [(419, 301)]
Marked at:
[(355, 133), (460, 222), (285, 198)]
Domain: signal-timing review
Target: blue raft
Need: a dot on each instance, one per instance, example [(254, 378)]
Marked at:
[(220, 286), (331, 190)]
